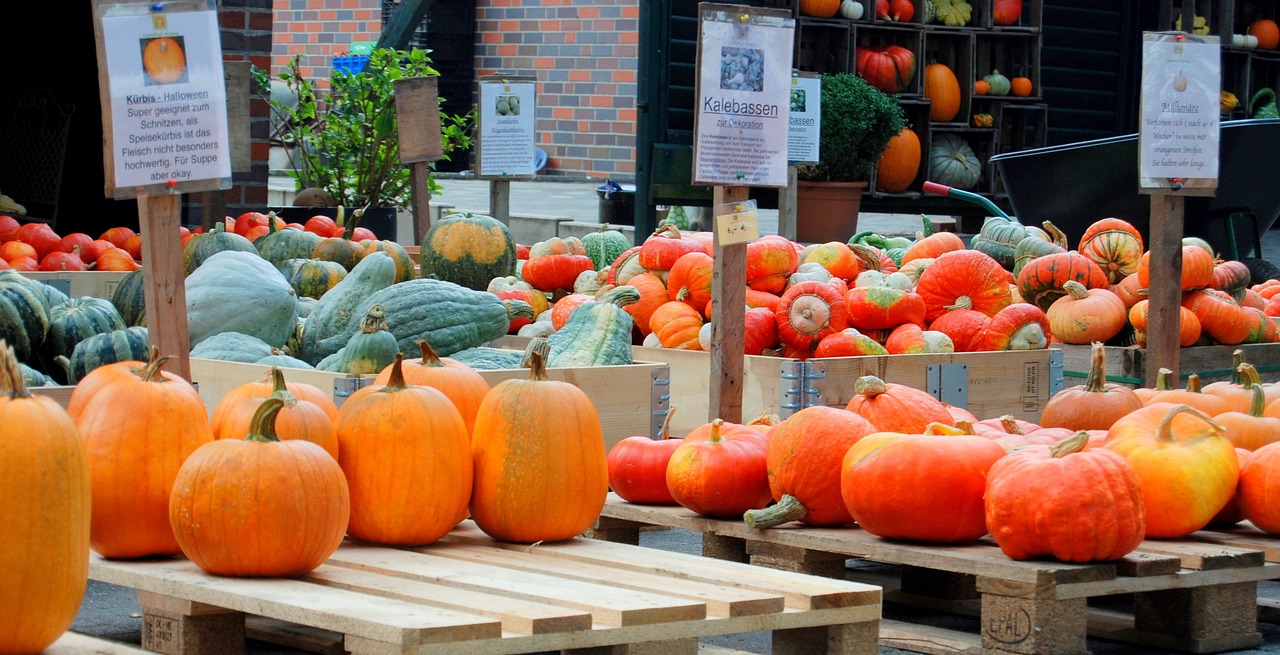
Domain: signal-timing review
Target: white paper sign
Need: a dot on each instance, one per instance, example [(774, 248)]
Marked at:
[(507, 128), (1179, 127), (744, 89), (804, 135), (168, 101)]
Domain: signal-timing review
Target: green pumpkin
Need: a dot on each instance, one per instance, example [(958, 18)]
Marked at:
[(283, 361), (78, 319), (34, 378), (52, 296), (953, 163), (129, 344), (24, 314), (1031, 247), (997, 84), (468, 250), (999, 237), (597, 333), (604, 246), (279, 246), (198, 250), (233, 347), (335, 317), (448, 316), (235, 291), (311, 278), (130, 298), (368, 351)]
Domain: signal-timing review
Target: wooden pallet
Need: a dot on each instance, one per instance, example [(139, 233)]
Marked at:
[(1190, 595), (470, 594), (75, 643)]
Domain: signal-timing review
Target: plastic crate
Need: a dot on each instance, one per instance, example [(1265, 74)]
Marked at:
[(352, 65)]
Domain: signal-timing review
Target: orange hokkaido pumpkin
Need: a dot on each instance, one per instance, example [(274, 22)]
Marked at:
[(1187, 468), (297, 419), (258, 506), (771, 259), (676, 325), (1259, 488), (1094, 405), (720, 470), (463, 385), (44, 479), (139, 424), (899, 163), (803, 462), (653, 293), (1189, 329), (893, 407), (942, 88), (819, 8), (689, 280), (1197, 268), (541, 472), (1086, 315), (408, 487)]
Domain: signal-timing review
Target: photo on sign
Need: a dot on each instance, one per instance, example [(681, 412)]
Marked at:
[(741, 69), (798, 100), (164, 59), (507, 105)]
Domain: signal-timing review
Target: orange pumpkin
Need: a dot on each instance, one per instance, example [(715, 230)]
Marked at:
[(1189, 328), (1188, 470), (943, 90), (1197, 268), (899, 163), (1086, 315), (164, 60), (1250, 429), (1267, 32), (297, 419), (1259, 488), (809, 311), (653, 294), (537, 445), (964, 278), (408, 487), (834, 256), (258, 506), (819, 8), (771, 259), (1094, 405), (689, 280), (1020, 86), (263, 388), (676, 325), (1220, 317), (893, 407), (44, 478), (720, 470), (463, 385)]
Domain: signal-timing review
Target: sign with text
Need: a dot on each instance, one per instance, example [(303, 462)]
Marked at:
[(507, 135), (736, 222), (164, 100), (1179, 125), (743, 96), (804, 133)]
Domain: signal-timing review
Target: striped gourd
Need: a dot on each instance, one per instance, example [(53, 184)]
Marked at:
[(279, 246), (604, 246), (196, 251), (78, 319), (404, 263), (129, 344), (130, 299), (24, 314), (310, 278)]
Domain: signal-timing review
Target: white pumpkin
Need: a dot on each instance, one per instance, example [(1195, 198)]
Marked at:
[(851, 9)]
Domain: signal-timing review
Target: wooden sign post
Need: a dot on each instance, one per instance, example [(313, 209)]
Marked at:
[(505, 137), (418, 120), (165, 130), (1178, 157), (743, 81)]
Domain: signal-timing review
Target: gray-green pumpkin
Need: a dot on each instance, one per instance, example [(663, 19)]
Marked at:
[(129, 344), (200, 248), (468, 250), (448, 316), (337, 314), (24, 314), (598, 333), (130, 298), (233, 347), (77, 319), (234, 291), (368, 351)]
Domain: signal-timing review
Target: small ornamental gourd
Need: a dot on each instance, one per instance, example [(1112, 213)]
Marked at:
[(258, 506), (406, 455), (803, 462), (997, 83), (368, 351), (139, 423), (538, 452), (1064, 501), (44, 479)]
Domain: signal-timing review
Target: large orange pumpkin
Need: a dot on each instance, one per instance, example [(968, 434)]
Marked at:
[(720, 470), (899, 163), (1094, 405), (538, 452), (297, 419), (459, 382), (819, 8), (943, 90), (44, 479)]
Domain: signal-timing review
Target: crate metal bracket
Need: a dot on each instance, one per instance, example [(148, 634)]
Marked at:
[(659, 400), (344, 387), (948, 383), (1056, 371), (791, 387), (815, 383)]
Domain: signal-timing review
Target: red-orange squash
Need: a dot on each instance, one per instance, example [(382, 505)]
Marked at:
[(893, 407), (809, 311), (720, 470), (964, 278)]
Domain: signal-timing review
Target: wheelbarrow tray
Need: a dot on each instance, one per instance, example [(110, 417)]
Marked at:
[(1075, 184)]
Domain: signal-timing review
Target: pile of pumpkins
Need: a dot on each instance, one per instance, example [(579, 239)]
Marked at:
[(271, 483), (1106, 467)]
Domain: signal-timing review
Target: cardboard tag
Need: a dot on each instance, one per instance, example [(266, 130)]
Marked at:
[(738, 227)]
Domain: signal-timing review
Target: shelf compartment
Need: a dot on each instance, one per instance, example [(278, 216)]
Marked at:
[(955, 49), (906, 37), (1014, 55), (916, 113), (1019, 127), (982, 141), (823, 45), (1031, 19)]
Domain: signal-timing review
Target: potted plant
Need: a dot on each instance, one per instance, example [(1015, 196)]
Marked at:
[(343, 144), (858, 120)]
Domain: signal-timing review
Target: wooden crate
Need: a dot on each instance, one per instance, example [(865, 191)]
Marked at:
[(99, 284), (470, 595), (1212, 363), (1191, 594), (623, 395)]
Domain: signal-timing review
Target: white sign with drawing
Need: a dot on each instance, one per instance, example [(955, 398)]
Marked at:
[(804, 135), (1179, 126)]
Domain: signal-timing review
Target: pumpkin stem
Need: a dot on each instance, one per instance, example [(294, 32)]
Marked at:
[(1072, 444), (1237, 358), (1259, 401), (1249, 376), (1097, 380), (279, 389), (429, 355), (375, 320), (869, 385), (1055, 235), (151, 372), (396, 380), (1193, 382), (535, 357), (1165, 430), (518, 309), (10, 376), (943, 430), (964, 425), (1010, 424), (263, 426), (1164, 380), (716, 424), (668, 230), (1076, 290), (962, 302), (787, 509), (767, 419), (928, 226), (665, 432)]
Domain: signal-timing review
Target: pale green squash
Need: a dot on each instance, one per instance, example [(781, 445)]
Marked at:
[(597, 333)]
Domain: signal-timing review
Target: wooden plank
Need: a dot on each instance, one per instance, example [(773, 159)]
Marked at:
[(165, 280), (1164, 296), (1205, 557), (75, 643), (1244, 535), (729, 283)]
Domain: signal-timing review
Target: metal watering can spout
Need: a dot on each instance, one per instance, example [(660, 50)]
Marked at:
[(1267, 110)]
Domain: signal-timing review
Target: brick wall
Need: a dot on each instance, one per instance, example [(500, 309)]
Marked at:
[(583, 54)]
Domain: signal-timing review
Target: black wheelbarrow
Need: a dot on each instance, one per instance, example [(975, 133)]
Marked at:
[(1075, 184)]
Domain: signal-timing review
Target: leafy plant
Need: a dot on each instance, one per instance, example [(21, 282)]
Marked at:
[(858, 120), (345, 141)]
